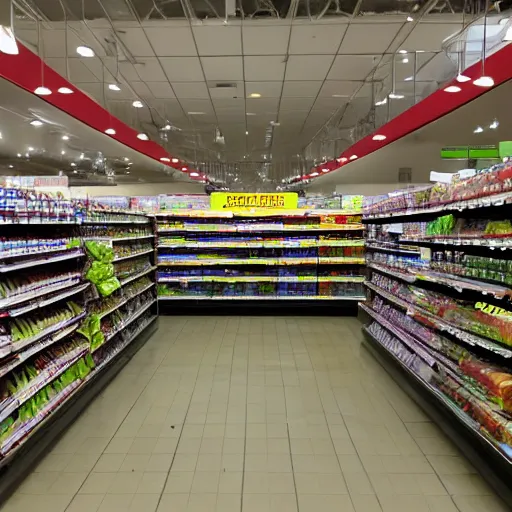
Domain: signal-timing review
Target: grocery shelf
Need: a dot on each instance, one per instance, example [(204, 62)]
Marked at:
[(42, 252), (261, 297), (136, 276), (238, 261), (491, 243), (263, 244), (392, 249), (9, 405), (262, 229), (441, 325), (268, 279), (123, 302), (458, 283), (43, 261), (342, 260), (129, 238), (134, 255), (111, 221)]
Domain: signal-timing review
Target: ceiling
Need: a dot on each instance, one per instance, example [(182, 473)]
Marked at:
[(420, 150), (198, 72), (62, 144)]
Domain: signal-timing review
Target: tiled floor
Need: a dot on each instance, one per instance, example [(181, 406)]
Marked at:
[(267, 414)]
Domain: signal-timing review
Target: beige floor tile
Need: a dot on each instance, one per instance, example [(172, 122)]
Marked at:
[(202, 502), (152, 483), (365, 503), (228, 503), (144, 503), (316, 502), (466, 485), (116, 502), (109, 462), (480, 503), (85, 503)]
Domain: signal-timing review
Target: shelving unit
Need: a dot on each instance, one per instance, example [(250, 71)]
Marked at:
[(260, 256), (440, 307), (52, 285)]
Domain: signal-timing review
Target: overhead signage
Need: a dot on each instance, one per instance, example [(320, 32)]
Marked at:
[(31, 182), (505, 148), (243, 200), (467, 152)]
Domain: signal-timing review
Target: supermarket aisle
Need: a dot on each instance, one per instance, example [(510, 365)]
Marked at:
[(277, 414)]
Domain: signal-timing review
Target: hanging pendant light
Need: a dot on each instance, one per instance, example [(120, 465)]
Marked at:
[(8, 42), (484, 81)]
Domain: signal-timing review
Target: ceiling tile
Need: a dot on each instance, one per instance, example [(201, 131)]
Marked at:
[(265, 40), (316, 39), (141, 89), (299, 89), (191, 90), (266, 89), (262, 105), (79, 72), (218, 40), (352, 67), (369, 38), (136, 41), (229, 103), (429, 36), (330, 104), (167, 42), (128, 72), (229, 93), (150, 70), (222, 68), (339, 87), (182, 69), (262, 69), (161, 89), (197, 105), (296, 103), (302, 67)]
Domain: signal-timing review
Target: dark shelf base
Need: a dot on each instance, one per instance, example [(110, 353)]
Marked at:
[(495, 470), (37, 445)]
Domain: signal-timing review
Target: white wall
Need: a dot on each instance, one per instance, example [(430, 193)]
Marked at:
[(143, 189)]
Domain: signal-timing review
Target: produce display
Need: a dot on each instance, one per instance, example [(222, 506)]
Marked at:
[(230, 255)]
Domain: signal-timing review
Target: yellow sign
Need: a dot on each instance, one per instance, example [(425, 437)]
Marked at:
[(243, 200)]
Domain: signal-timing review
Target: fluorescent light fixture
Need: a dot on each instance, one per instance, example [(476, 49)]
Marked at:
[(353, 157), (73, 164), (246, 132), (137, 104), (382, 102), (65, 137), (184, 169), (275, 123), (164, 159), (175, 160), (478, 129), (42, 91), (494, 124), (142, 136), (314, 174), (194, 174), (30, 148), (114, 87), (340, 96), (255, 95), (85, 51), (126, 159), (36, 122), (395, 96), (409, 79), (405, 60), (11, 166), (250, 114), (110, 131), (62, 152), (379, 137), (484, 81), (403, 52), (19, 155), (196, 113), (462, 78), (65, 90), (410, 18), (325, 170), (452, 88)]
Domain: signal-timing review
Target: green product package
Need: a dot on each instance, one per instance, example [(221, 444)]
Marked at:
[(99, 272), (100, 252), (108, 286)]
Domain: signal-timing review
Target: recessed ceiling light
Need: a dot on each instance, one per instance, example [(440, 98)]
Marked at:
[(126, 159), (250, 114), (325, 170), (85, 51), (196, 113), (379, 137), (314, 174), (110, 131), (30, 148), (410, 18), (403, 52), (36, 122), (409, 79), (82, 156), (405, 60), (138, 104), (395, 96), (75, 172), (353, 157), (382, 102), (62, 152), (478, 129), (175, 160), (65, 90), (65, 137), (462, 78), (42, 91), (167, 127), (19, 155), (11, 166), (494, 124), (194, 174), (73, 164), (246, 132), (452, 88), (255, 95), (142, 136), (114, 87), (184, 168), (484, 81), (164, 159)]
